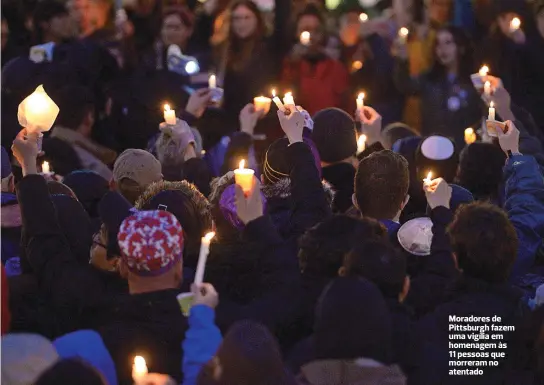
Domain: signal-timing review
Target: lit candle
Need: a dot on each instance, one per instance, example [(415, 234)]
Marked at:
[(202, 257), (305, 38), (470, 136), (361, 143), (169, 115), (139, 370), (515, 23), (360, 101), (356, 65), (491, 115), (428, 180), (487, 88), (262, 103), (363, 17), (45, 168), (278, 102), (483, 71), (403, 35), (244, 177), (288, 99), (212, 81)]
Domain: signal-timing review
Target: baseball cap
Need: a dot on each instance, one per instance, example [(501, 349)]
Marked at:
[(138, 165), (151, 242)]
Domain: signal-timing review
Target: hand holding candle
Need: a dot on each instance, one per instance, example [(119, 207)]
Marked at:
[(438, 193), (244, 177), (249, 206), (139, 370), (169, 115), (288, 99), (262, 104), (212, 82), (277, 101), (45, 168), (428, 180), (491, 115), (515, 24), (483, 71), (203, 257)]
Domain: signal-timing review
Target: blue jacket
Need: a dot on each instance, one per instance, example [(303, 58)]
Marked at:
[(524, 203), (201, 342), (88, 345)]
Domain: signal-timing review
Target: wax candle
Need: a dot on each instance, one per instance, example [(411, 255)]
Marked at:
[(277, 101), (361, 143), (428, 180), (470, 136), (139, 370), (483, 71), (515, 23), (403, 35), (37, 113), (262, 103), (244, 177), (363, 17), (487, 88), (305, 38), (360, 101), (212, 81), (169, 115), (45, 168), (202, 257), (491, 115), (356, 65), (288, 99)]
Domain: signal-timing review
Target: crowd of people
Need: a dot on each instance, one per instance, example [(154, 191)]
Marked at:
[(360, 230)]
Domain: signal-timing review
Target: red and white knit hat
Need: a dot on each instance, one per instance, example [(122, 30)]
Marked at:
[(151, 242)]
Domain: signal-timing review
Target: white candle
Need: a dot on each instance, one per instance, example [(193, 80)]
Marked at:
[(277, 101), (487, 88), (428, 180), (262, 103), (305, 38), (515, 24), (169, 115), (288, 99), (139, 370), (470, 136), (360, 101), (403, 35), (212, 81), (244, 177), (363, 17), (45, 168), (483, 71), (356, 65), (491, 115), (361, 143), (203, 256)]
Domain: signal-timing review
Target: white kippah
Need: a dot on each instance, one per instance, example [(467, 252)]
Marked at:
[(416, 236), (437, 148)]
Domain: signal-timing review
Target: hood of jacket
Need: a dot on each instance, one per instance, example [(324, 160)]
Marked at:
[(88, 346), (363, 371), (106, 155)]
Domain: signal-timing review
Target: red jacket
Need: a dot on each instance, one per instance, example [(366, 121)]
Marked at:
[(318, 86)]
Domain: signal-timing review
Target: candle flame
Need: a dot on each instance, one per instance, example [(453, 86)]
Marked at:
[(515, 23), (363, 17), (208, 237), (288, 94), (361, 96), (403, 32), (362, 140), (167, 107), (357, 65), (429, 176), (484, 70), (273, 92), (139, 364), (305, 35), (491, 105), (242, 164), (469, 131)]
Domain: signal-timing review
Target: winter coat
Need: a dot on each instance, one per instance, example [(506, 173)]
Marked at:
[(362, 371), (341, 176), (448, 107), (524, 203), (201, 342), (11, 234), (148, 324)]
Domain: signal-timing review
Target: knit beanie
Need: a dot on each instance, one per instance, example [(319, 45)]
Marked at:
[(334, 135)]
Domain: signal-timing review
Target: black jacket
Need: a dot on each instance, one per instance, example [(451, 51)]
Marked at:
[(151, 325)]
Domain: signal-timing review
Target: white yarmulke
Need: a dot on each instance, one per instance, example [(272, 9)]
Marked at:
[(437, 148), (25, 357), (416, 236)]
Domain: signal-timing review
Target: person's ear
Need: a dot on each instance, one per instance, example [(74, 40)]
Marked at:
[(405, 289), (123, 270), (342, 271), (113, 185), (354, 201), (178, 272)]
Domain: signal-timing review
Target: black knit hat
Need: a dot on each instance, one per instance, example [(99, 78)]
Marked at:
[(276, 164), (334, 135), (89, 188), (113, 209)]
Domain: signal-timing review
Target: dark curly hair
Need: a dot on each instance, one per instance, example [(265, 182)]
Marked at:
[(484, 241), (323, 247)]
